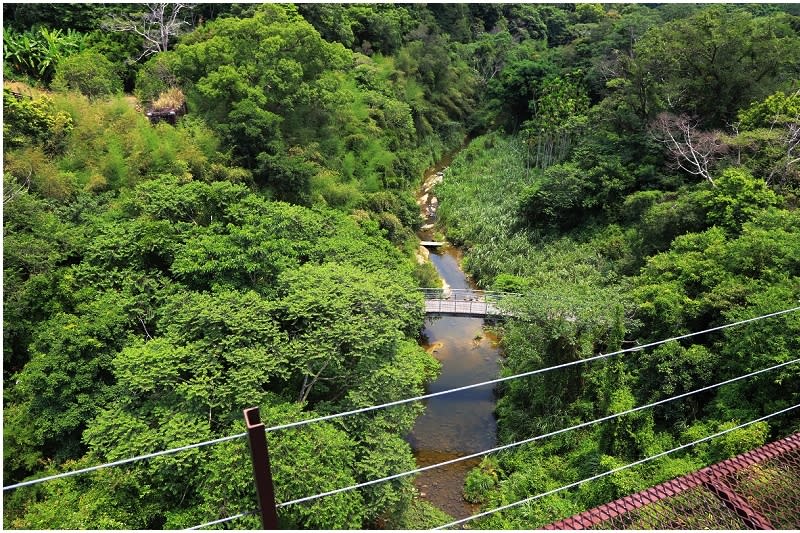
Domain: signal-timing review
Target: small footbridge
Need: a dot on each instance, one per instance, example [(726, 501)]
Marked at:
[(465, 302)]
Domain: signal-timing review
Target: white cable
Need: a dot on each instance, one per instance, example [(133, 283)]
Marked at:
[(222, 520), (615, 470), (532, 439), (390, 404), (123, 461), (522, 375)]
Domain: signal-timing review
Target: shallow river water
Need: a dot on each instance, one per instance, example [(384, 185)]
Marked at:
[(460, 423)]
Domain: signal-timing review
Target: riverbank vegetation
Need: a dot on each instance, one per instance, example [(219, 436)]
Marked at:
[(634, 173)]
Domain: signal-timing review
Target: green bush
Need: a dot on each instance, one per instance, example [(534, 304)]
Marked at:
[(398, 204), (477, 485), (420, 515), (155, 77), (30, 121), (510, 283), (636, 204), (775, 109), (118, 47), (88, 72), (676, 214), (558, 199), (738, 197), (426, 275)]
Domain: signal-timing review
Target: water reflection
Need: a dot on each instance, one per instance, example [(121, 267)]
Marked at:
[(463, 422)]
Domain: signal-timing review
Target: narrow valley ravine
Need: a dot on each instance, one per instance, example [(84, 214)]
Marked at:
[(461, 423)]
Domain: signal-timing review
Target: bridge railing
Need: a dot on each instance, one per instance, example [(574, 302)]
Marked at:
[(464, 295), (464, 301)]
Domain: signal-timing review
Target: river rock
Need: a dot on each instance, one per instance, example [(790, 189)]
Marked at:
[(435, 347), (446, 291), (423, 254), (426, 227), (431, 181)]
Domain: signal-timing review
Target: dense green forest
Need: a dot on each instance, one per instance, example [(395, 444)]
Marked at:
[(633, 172), (645, 187)]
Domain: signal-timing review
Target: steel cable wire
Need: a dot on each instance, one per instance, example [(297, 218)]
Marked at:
[(523, 374), (391, 404), (532, 439), (223, 520), (123, 461)]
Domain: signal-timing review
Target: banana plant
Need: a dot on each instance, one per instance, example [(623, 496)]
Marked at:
[(37, 53), (52, 48), (17, 49)]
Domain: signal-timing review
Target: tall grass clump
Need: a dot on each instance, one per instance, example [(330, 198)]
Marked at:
[(480, 209), (172, 98), (109, 145)]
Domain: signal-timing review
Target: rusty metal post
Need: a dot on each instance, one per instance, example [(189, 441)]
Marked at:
[(257, 437)]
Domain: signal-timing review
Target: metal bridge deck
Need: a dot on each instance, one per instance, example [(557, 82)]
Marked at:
[(464, 302), (470, 308)]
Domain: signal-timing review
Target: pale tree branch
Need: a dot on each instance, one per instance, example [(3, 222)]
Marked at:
[(144, 326), (734, 127), (791, 143), (692, 150), (12, 188), (156, 25), (305, 390), (612, 67)]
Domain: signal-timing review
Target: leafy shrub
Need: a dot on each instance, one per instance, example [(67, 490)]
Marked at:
[(88, 72), (155, 77), (557, 200), (32, 121), (32, 166), (478, 483), (119, 48), (219, 172), (737, 197), (589, 12), (727, 445), (398, 204), (676, 214), (764, 140), (395, 231), (636, 204), (510, 283), (775, 109), (426, 275), (419, 514)]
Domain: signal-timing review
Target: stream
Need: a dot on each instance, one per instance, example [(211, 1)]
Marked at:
[(461, 423)]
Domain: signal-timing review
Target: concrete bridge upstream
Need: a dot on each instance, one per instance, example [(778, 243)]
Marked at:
[(464, 302)]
